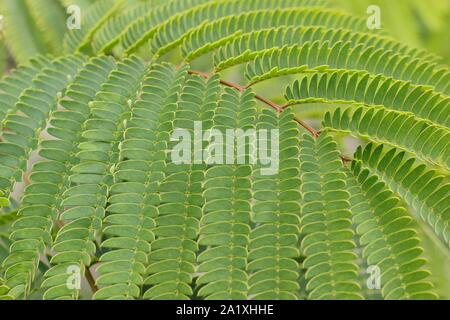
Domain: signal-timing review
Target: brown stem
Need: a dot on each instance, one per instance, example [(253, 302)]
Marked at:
[(90, 280), (275, 106), (346, 159), (315, 133)]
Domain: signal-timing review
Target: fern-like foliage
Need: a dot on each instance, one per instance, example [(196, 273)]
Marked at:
[(327, 243), (90, 134), (274, 252)]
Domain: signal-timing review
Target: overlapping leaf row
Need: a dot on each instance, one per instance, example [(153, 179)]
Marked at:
[(343, 55), (166, 35), (132, 27), (421, 138), (11, 88), (135, 203), (78, 37), (226, 215), (166, 30), (273, 245), (214, 34), (425, 191), (31, 233), (174, 252), (386, 233), (27, 115), (326, 236), (53, 176), (141, 30), (20, 79), (172, 32), (248, 46), (108, 34), (365, 89), (101, 134)]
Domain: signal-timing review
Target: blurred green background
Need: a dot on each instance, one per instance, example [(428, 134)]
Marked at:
[(418, 23)]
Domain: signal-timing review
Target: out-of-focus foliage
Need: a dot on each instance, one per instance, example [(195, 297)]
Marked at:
[(22, 34), (3, 56), (419, 23)]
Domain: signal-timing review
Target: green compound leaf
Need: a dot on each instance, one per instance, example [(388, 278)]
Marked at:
[(95, 205)]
